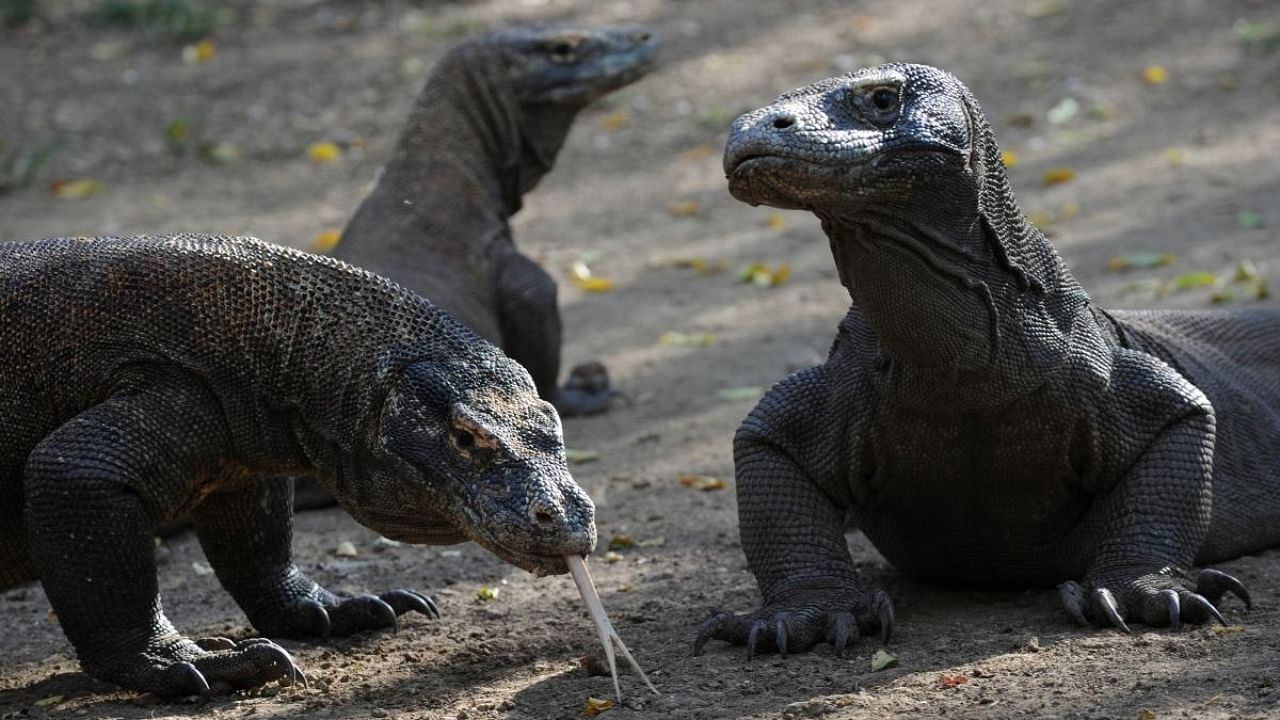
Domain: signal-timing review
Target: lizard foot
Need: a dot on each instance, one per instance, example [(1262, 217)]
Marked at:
[(322, 614), (1157, 599), (800, 626), (586, 392), (184, 667), (347, 616)]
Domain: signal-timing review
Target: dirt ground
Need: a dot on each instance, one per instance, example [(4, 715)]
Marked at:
[(1186, 167)]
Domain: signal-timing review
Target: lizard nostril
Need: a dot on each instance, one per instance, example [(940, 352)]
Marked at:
[(783, 121), (543, 517)]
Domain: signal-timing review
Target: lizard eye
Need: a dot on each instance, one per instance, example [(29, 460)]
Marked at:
[(884, 99), (563, 51), (463, 439), (880, 104)]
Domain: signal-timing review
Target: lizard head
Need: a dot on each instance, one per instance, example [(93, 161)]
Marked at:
[(894, 146), (881, 138), (469, 445), (573, 66), (554, 72)]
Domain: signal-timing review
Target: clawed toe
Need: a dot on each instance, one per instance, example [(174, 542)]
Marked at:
[(798, 628), (1213, 584), (1172, 604), (402, 601)]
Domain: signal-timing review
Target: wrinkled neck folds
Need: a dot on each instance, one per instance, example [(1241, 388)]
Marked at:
[(956, 295)]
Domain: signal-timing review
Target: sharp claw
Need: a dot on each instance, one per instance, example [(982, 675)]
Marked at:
[(780, 634), (1112, 610), (433, 611), (1175, 608), (842, 623), (1072, 597), (406, 600), (1214, 582), (710, 628), (320, 623), (884, 611), (387, 613), (753, 637), (192, 677), (1200, 602), (283, 658)]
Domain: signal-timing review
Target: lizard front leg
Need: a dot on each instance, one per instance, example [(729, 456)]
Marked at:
[(529, 319), (247, 535), (792, 508), (95, 489), (1152, 521)]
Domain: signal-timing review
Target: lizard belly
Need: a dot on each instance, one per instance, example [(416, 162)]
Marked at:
[(977, 503)]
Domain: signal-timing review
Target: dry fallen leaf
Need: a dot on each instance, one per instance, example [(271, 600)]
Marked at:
[(48, 701), (1175, 156), (760, 274), (679, 339), (698, 152), (1145, 714), (621, 542), (1227, 629), (775, 221), (744, 392), (486, 593), (612, 557), (324, 152), (701, 265), (1155, 75), (1009, 158), (201, 52), (952, 680), (615, 120), (1059, 175), (1195, 280), (701, 482), (580, 274), (595, 706), (577, 456), (1140, 261), (326, 241), (882, 660), (683, 208), (76, 189)]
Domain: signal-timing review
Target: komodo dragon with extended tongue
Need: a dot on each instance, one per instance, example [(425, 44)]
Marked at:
[(146, 378), (485, 129), (978, 417)]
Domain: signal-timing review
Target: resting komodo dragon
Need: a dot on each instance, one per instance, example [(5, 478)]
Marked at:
[(484, 130), (978, 417), (150, 377)]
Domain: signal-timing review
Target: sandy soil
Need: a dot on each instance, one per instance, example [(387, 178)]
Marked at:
[(290, 73)]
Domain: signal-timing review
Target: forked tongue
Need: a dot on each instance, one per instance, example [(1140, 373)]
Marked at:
[(604, 628)]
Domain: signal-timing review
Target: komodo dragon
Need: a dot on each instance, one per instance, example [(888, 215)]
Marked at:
[(484, 130), (978, 417), (150, 377)]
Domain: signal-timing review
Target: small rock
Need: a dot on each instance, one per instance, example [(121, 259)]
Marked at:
[(345, 549), (1032, 645)]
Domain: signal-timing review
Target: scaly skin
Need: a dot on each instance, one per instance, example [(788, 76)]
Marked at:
[(486, 128), (978, 417), (147, 378)]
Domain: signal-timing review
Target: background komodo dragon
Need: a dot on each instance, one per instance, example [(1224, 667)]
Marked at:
[(150, 377), (978, 417), (484, 130)]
